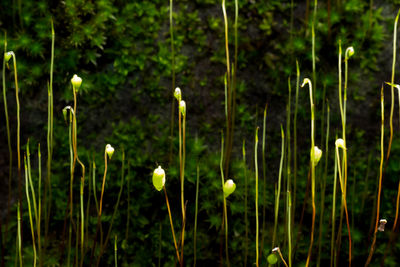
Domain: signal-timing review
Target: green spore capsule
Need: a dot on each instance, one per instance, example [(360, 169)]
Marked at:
[(76, 82), (229, 187), (272, 259), (159, 178)]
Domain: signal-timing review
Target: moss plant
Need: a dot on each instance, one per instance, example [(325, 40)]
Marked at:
[(38, 226), (8, 137), (228, 94), (392, 87), (115, 251), (313, 43), (313, 164), (30, 211), (333, 256), (264, 178), (19, 234), (323, 187), (171, 32), (278, 192), (224, 199), (256, 202), (289, 226), (182, 144), (378, 204), (277, 250), (8, 56), (104, 245), (195, 216), (49, 141), (288, 165), (341, 144), (295, 138), (246, 221)]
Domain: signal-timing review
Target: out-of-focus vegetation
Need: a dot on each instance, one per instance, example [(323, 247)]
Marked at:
[(121, 49)]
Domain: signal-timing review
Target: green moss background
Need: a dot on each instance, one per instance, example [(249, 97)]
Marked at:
[(121, 49)]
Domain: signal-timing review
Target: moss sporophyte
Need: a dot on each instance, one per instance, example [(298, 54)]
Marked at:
[(159, 178)]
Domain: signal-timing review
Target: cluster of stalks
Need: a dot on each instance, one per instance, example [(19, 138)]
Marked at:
[(79, 223)]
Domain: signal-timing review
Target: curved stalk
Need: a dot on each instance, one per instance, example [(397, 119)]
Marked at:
[(371, 251)]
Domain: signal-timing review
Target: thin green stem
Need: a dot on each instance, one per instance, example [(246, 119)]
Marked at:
[(115, 251), (224, 198), (171, 32), (295, 139), (27, 175), (172, 224), (333, 256), (246, 240), (8, 139), (312, 163), (289, 226), (38, 223), (195, 216), (278, 191), (256, 202), (264, 178), (323, 187), (371, 251), (19, 233), (104, 246), (392, 85), (344, 201), (313, 43), (182, 185)]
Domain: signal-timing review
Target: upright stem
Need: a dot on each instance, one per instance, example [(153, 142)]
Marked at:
[(323, 187), (19, 233), (8, 138), (195, 216), (224, 198), (229, 92), (264, 178), (313, 43), (378, 204), (344, 201), (392, 85), (295, 139), (103, 184), (49, 139), (115, 251), (246, 221), (171, 32), (333, 256), (182, 184), (278, 192), (172, 224), (30, 212), (18, 131), (312, 169), (40, 207), (256, 172)]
